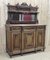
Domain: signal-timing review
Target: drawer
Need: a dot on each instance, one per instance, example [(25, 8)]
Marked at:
[(14, 28), (29, 27), (40, 27)]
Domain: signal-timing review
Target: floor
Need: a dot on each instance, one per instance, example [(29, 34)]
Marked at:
[(32, 56)]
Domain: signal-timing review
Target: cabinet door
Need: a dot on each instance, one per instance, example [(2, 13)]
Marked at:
[(16, 41), (40, 38), (28, 40)]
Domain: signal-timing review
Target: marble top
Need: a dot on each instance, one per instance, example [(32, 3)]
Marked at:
[(25, 25)]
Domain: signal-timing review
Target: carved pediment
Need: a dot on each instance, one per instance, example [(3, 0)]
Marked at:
[(23, 6)]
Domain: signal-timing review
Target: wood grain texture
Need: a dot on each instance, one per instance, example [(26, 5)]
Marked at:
[(23, 39)]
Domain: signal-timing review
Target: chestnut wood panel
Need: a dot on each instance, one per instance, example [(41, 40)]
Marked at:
[(13, 42), (16, 42), (40, 37), (22, 39), (28, 39)]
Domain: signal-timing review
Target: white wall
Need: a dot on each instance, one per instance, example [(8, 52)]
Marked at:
[(48, 27), (42, 17)]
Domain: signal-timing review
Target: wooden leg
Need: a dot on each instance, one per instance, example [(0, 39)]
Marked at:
[(21, 54), (42, 49), (10, 56), (35, 51)]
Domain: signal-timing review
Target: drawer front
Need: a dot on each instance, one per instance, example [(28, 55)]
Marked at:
[(14, 28), (40, 27), (29, 27)]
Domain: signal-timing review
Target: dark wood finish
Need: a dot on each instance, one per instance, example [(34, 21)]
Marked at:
[(22, 7), (24, 39), (16, 13)]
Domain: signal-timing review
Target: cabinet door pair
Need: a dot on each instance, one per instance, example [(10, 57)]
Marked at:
[(28, 39)]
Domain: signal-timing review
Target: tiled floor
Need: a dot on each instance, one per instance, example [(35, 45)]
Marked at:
[(33, 56)]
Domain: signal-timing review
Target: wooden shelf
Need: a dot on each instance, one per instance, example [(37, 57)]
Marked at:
[(21, 22), (23, 11)]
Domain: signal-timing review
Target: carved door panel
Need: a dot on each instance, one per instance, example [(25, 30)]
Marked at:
[(16, 41), (28, 40), (40, 37)]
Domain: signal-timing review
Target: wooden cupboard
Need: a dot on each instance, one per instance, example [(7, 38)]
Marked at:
[(24, 38), (23, 33)]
